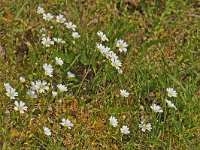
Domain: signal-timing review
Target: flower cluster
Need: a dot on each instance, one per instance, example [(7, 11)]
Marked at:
[(171, 93), (65, 123), (113, 122), (109, 54), (11, 93), (40, 87), (156, 108), (47, 41)]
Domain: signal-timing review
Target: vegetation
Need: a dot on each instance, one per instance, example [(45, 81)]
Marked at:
[(78, 94)]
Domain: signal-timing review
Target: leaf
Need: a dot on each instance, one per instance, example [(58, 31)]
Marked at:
[(176, 81), (84, 59)]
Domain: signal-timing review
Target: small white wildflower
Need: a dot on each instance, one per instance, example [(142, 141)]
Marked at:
[(113, 121), (59, 61), (116, 63), (41, 86), (31, 93), (40, 10), (47, 131), (62, 88), (144, 126), (47, 16), (124, 130), (54, 94), (20, 107), (58, 40), (66, 123), (171, 92), (112, 55), (75, 35), (156, 108), (60, 18), (46, 41), (22, 79), (70, 75), (63, 42), (48, 69), (60, 100), (170, 104), (121, 45), (42, 30), (105, 51), (124, 93), (70, 25), (100, 47), (102, 36), (11, 92), (7, 86)]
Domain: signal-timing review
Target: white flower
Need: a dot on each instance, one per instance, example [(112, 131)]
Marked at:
[(41, 86), (59, 61), (7, 86), (116, 63), (62, 88), (70, 75), (31, 93), (113, 121), (66, 123), (121, 45), (20, 107), (43, 35), (60, 18), (54, 94), (103, 50), (58, 40), (171, 92), (75, 35), (144, 126), (170, 104), (22, 79), (42, 30), (124, 93), (47, 41), (40, 10), (112, 55), (156, 108), (70, 25), (48, 69), (63, 42), (47, 131), (124, 130), (47, 16), (11, 92), (100, 47), (102, 36)]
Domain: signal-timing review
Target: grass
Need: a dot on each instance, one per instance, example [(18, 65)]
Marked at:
[(163, 51)]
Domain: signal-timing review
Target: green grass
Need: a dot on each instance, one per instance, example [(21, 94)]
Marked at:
[(163, 51)]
